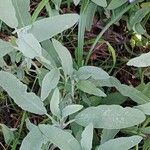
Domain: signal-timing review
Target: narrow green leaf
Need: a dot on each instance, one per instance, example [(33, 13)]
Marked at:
[(123, 143), (87, 137), (64, 140), (17, 91), (54, 103), (90, 13), (49, 82), (90, 88), (110, 117), (46, 28), (116, 3), (102, 3), (65, 57), (138, 16), (7, 13)]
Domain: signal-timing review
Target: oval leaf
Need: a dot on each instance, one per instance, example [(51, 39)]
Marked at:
[(5, 48), (48, 27), (141, 61), (54, 103), (145, 108), (90, 71), (17, 91), (29, 45), (71, 109), (123, 143), (22, 8), (49, 82), (87, 138), (65, 57), (7, 13), (110, 117), (7, 133), (90, 88), (64, 140), (34, 140)]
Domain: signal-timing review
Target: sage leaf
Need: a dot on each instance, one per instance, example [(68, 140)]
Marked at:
[(141, 61), (5, 48), (108, 134), (34, 140), (65, 57), (8, 14), (49, 82), (29, 45), (90, 71), (7, 133), (71, 109), (145, 108), (123, 143), (54, 103), (17, 91), (46, 28), (65, 141), (110, 117), (22, 8), (87, 137), (90, 88)]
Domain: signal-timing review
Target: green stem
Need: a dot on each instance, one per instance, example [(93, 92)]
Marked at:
[(137, 147)]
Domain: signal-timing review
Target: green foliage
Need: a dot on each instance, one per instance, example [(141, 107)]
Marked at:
[(121, 143), (75, 99), (110, 117)]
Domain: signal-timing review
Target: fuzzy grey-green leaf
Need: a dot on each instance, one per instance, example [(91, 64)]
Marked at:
[(88, 87), (5, 48), (17, 91), (65, 57), (8, 14), (62, 139), (110, 117), (87, 137), (46, 28), (123, 143), (49, 82)]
